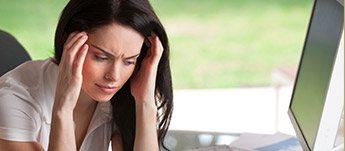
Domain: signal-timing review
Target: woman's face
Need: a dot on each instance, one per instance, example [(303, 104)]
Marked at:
[(110, 61)]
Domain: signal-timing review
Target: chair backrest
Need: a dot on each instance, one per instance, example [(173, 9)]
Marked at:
[(12, 53)]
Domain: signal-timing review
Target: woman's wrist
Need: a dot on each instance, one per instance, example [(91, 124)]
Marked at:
[(62, 134), (146, 126), (63, 106), (146, 106), (62, 112)]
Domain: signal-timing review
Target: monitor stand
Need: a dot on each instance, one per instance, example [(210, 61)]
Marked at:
[(339, 141)]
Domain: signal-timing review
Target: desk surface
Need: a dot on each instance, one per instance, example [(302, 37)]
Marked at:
[(188, 140)]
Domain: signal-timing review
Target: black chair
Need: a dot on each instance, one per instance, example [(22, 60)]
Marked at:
[(12, 53)]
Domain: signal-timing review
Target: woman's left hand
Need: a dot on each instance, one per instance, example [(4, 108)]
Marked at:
[(143, 82)]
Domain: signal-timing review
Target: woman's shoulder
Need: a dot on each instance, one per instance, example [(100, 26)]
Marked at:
[(27, 73), (31, 66), (32, 81)]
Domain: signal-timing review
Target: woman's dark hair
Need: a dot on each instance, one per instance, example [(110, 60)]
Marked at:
[(87, 15)]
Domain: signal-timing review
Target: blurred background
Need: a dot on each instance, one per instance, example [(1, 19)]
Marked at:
[(233, 61), (214, 44)]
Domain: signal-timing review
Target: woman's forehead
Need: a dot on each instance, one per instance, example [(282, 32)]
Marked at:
[(115, 37)]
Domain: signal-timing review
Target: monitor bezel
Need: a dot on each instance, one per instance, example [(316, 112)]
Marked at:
[(299, 134), (295, 125)]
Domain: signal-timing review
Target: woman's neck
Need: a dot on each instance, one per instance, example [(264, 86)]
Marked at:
[(82, 116), (85, 106)]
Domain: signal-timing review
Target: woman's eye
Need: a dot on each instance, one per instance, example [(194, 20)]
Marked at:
[(100, 58), (129, 63)]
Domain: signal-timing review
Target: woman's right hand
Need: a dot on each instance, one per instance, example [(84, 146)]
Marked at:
[(70, 72)]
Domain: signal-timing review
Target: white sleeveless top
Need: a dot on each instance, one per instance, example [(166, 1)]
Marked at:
[(26, 99)]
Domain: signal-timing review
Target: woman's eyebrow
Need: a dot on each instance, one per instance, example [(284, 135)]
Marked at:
[(104, 51), (132, 56), (109, 54)]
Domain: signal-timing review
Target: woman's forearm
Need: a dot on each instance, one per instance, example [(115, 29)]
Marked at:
[(146, 131), (62, 136)]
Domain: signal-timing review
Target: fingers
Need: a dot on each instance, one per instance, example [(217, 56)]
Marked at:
[(71, 36), (74, 53), (71, 47), (75, 48), (156, 49), (79, 62), (73, 39), (69, 42)]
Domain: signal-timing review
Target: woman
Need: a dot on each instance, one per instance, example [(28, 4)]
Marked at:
[(109, 81)]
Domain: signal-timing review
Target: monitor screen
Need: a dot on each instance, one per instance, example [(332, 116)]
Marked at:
[(315, 68)]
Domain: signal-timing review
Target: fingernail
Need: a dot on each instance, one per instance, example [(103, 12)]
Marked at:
[(86, 46)]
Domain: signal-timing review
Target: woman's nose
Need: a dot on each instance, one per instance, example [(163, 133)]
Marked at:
[(113, 75)]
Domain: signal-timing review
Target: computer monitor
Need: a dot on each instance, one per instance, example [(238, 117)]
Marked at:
[(318, 94)]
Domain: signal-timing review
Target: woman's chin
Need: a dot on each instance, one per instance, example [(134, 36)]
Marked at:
[(102, 98), (98, 96)]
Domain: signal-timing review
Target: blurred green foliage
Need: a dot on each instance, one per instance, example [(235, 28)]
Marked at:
[(214, 44)]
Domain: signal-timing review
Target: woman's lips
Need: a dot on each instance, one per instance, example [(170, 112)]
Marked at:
[(106, 89)]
